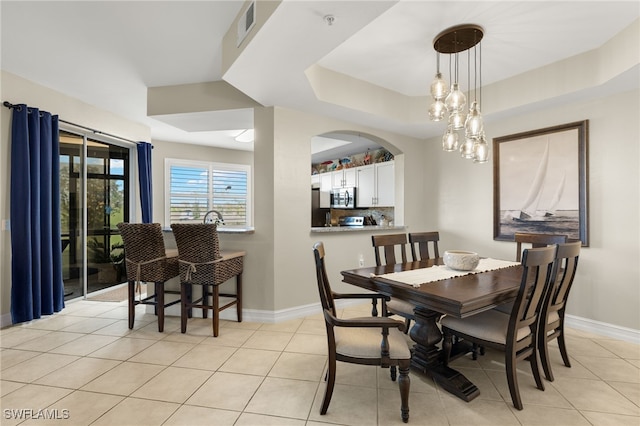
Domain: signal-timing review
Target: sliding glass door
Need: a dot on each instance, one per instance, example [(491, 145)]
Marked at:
[(94, 198)]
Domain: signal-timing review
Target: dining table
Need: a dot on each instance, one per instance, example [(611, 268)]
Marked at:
[(436, 290)]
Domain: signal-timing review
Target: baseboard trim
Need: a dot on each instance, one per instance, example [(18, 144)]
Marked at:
[(283, 314), (603, 329), (256, 315), (5, 320)]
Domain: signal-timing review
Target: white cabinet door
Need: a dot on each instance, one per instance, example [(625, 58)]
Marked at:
[(325, 182), (365, 194), (337, 178), (350, 178), (315, 181), (345, 178), (385, 184)]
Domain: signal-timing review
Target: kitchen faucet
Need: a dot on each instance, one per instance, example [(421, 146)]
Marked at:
[(219, 220)]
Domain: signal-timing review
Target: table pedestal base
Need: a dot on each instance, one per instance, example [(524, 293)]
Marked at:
[(428, 358)]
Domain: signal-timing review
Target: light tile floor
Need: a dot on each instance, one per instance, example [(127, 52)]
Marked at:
[(86, 367)]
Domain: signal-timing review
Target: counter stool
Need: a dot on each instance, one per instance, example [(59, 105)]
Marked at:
[(146, 260), (201, 263)]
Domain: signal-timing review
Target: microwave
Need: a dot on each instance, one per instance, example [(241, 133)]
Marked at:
[(343, 198)]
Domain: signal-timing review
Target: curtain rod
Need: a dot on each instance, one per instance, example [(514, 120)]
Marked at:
[(98, 132)]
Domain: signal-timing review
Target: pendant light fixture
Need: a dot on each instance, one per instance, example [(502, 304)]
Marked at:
[(450, 104)]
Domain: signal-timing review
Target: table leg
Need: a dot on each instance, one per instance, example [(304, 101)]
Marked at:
[(427, 357)]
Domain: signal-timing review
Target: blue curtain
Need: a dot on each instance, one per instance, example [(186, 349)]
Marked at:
[(144, 175), (36, 249)]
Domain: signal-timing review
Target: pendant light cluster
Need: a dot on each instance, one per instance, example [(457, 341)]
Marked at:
[(450, 103)]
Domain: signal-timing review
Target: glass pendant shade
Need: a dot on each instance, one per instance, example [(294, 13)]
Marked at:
[(456, 120), (473, 124), (450, 140), (455, 100), (466, 149), (437, 110), (439, 87), (481, 150)]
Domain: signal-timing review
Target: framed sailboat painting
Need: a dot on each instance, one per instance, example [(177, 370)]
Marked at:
[(540, 182)]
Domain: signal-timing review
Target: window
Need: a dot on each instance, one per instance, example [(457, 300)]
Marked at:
[(195, 187)]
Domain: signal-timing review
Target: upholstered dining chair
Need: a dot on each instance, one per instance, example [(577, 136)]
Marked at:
[(552, 316), (202, 264), (384, 247), (516, 333), (146, 260), (420, 242), (368, 340), (536, 241)]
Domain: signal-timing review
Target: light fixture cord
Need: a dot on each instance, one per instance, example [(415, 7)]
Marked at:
[(480, 74)]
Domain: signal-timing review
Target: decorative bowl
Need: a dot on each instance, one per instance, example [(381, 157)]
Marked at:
[(461, 260)]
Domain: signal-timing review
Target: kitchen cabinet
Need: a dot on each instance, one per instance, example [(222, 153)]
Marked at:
[(326, 182), (345, 178), (376, 185)]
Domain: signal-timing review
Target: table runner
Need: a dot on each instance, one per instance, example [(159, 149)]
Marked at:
[(415, 277)]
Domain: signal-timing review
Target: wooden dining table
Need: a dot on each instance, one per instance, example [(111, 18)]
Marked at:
[(460, 296)]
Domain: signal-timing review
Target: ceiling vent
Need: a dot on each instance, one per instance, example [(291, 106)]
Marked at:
[(246, 22)]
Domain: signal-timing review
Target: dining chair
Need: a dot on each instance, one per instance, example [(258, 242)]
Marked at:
[(536, 241), (552, 316), (146, 260), (386, 245), (421, 242), (516, 333), (369, 340), (202, 264)]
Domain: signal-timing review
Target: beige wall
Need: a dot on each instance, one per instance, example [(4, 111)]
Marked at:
[(607, 285)]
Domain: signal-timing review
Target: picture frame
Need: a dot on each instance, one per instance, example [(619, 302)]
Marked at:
[(540, 182)]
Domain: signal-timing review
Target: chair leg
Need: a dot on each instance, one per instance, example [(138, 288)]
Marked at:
[(543, 350), (394, 373), (239, 296), (404, 383), (331, 381), (160, 305), (215, 295), (185, 290), (132, 305), (535, 369), (512, 379), (563, 347)]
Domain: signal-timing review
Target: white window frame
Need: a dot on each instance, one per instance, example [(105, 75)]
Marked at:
[(211, 166)]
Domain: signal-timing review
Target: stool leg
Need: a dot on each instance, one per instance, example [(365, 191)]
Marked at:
[(160, 305), (205, 301), (184, 299), (216, 312), (239, 296), (132, 297)]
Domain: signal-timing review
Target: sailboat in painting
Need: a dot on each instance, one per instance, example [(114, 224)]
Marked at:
[(531, 210)]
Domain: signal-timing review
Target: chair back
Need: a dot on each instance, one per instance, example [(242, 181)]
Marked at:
[(387, 244), (536, 241), (143, 243), (197, 242), (567, 259), (198, 248), (422, 241), (324, 288), (539, 266)]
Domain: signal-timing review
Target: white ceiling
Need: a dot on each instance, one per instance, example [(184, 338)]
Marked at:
[(107, 53)]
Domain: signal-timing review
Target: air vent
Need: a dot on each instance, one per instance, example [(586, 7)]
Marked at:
[(246, 22)]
